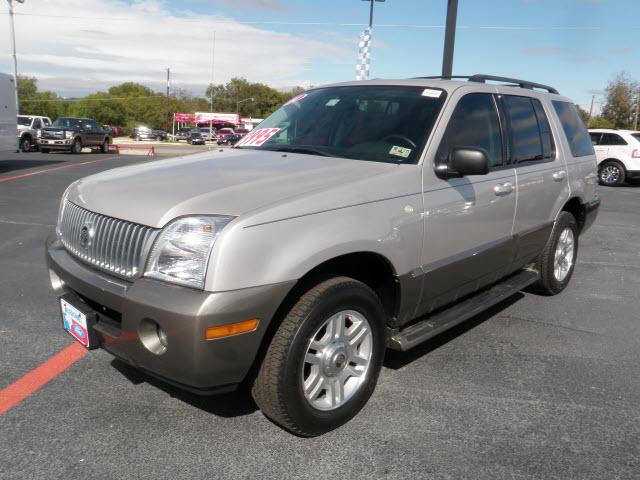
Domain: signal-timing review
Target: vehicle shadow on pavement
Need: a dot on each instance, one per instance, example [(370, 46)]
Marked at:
[(13, 165), (226, 405), (396, 360)]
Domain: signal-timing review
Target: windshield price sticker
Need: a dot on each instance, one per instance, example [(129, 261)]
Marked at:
[(257, 137), (296, 98), (400, 151), (430, 92)]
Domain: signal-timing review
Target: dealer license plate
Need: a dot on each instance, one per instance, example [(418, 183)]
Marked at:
[(75, 322)]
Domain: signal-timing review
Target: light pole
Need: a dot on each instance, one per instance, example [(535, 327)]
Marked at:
[(371, 10), (242, 101), (449, 38), (13, 45)]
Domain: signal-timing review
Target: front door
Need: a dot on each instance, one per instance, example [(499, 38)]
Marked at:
[(469, 220)]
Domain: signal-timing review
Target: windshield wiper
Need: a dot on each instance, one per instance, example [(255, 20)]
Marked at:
[(307, 150)]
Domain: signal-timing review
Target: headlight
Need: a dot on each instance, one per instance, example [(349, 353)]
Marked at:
[(68, 134), (181, 252)]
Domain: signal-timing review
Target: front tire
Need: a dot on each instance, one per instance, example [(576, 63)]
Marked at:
[(104, 148), (558, 259), (323, 362), (76, 147), (25, 144), (611, 173)]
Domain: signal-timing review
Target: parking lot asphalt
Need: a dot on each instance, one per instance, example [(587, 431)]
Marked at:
[(535, 388)]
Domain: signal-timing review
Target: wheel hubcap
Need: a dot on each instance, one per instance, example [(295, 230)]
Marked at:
[(610, 174), (337, 360), (563, 259)]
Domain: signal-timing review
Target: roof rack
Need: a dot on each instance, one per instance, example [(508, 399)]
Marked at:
[(481, 78)]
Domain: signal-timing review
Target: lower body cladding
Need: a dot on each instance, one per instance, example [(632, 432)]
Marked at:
[(160, 328)]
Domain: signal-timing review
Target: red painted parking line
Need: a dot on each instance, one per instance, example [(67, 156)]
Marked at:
[(61, 167), (39, 376)]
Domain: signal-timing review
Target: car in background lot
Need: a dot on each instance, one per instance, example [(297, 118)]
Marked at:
[(182, 134), (224, 133), (618, 154), (146, 133), (209, 134), (196, 138), (28, 128), (359, 217), (231, 139), (114, 130), (73, 134)]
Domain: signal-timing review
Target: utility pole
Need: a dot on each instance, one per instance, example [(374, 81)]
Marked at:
[(449, 38), (213, 64), (593, 97), (635, 120), (13, 46), (167, 107)]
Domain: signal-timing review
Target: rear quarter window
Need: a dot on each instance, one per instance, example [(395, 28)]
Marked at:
[(574, 129)]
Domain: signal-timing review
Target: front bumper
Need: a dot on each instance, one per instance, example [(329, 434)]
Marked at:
[(55, 143), (189, 361)]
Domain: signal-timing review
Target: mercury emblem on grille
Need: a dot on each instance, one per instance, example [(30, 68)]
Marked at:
[(87, 232)]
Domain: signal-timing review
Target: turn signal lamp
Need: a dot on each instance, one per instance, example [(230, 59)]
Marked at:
[(230, 329)]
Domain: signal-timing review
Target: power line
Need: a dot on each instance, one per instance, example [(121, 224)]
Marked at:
[(337, 24)]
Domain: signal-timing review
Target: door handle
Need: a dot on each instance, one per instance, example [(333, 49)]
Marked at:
[(559, 176), (503, 189)]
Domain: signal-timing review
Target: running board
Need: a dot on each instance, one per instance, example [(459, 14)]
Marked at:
[(459, 312)]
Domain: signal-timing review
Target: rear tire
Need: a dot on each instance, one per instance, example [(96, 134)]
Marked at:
[(611, 173), (558, 259), (323, 362)]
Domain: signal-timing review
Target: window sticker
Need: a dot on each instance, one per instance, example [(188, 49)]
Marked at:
[(257, 137), (430, 92), (400, 151), (296, 98), (332, 102)]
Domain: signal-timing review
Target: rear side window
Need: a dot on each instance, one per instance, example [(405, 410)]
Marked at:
[(595, 138), (525, 132), (612, 139), (548, 147), (636, 136), (574, 129), (474, 123)]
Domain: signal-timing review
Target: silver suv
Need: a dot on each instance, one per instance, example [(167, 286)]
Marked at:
[(359, 216)]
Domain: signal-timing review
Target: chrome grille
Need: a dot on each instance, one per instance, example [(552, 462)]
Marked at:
[(57, 134), (115, 246)]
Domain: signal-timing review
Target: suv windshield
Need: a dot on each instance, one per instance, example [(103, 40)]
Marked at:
[(67, 122), (25, 121), (380, 123)]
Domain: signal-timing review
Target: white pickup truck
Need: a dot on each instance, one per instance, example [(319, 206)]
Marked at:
[(7, 114)]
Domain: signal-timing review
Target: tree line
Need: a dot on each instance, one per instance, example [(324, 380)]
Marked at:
[(621, 105), (132, 104)]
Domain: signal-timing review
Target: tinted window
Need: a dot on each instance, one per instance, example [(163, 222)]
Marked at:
[(636, 136), (474, 123), (595, 138), (574, 129), (548, 147), (369, 122), (46, 122), (612, 139), (525, 132), (37, 124)]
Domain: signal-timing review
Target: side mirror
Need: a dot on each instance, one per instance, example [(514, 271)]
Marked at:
[(465, 161)]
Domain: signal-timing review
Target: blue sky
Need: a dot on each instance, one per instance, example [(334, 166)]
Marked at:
[(575, 45)]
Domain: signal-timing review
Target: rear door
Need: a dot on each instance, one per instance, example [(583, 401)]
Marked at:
[(617, 147), (601, 150), (468, 220), (541, 174)]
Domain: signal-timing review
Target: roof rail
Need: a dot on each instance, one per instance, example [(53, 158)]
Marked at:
[(481, 78)]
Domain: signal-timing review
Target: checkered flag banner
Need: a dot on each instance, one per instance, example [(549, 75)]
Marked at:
[(364, 55)]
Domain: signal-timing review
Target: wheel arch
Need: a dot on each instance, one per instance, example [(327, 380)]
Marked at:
[(577, 208), (612, 160)]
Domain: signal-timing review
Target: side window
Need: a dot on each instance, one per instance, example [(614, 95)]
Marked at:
[(595, 138), (574, 129), (548, 147), (612, 139), (47, 122), (525, 133), (475, 124), (37, 124)]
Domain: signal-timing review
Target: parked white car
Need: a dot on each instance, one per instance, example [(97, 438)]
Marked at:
[(618, 154)]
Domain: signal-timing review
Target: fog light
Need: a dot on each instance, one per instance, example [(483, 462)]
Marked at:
[(221, 331), (153, 337)]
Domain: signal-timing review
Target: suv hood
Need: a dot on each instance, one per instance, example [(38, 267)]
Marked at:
[(229, 182)]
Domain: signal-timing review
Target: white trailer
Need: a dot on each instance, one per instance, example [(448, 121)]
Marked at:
[(8, 114)]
